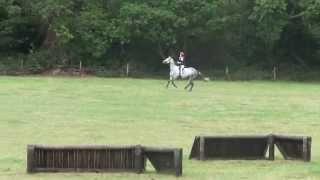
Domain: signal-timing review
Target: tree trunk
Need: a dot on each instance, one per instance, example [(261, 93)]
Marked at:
[(160, 51), (50, 40)]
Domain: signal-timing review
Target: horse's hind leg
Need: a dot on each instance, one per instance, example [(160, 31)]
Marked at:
[(192, 84), (189, 83)]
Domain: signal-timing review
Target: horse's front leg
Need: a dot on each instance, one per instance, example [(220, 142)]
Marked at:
[(168, 84), (174, 84)]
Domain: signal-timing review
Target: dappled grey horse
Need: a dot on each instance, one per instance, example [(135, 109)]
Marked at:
[(189, 73)]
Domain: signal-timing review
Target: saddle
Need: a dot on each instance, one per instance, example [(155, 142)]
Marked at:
[(177, 63)]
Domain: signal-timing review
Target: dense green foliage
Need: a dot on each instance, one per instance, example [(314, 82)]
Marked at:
[(214, 33)]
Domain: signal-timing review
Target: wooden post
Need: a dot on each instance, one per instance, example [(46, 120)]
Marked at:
[(309, 140), (127, 69), (178, 161), (271, 147), (138, 156), (144, 162), (274, 73), (202, 148), (306, 148), (30, 159)]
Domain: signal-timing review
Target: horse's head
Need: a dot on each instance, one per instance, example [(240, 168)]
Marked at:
[(168, 60)]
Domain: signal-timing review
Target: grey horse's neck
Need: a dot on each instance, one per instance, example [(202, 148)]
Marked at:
[(173, 65)]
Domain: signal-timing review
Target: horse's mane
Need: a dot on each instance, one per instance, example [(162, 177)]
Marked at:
[(174, 61)]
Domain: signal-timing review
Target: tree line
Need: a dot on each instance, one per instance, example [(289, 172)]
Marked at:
[(43, 34)]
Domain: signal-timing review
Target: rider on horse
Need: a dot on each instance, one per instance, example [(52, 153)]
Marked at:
[(181, 61)]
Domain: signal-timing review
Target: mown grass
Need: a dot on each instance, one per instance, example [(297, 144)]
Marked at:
[(62, 111)]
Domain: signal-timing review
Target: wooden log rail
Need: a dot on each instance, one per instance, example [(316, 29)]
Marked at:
[(229, 147), (251, 147), (41, 158), (84, 158)]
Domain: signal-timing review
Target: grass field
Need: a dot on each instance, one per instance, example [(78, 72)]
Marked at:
[(61, 111)]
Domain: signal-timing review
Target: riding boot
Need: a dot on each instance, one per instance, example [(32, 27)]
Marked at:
[(181, 70)]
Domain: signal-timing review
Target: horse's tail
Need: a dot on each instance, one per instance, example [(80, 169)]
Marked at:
[(202, 77)]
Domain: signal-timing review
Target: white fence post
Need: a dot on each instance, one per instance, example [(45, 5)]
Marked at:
[(127, 69), (274, 73)]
